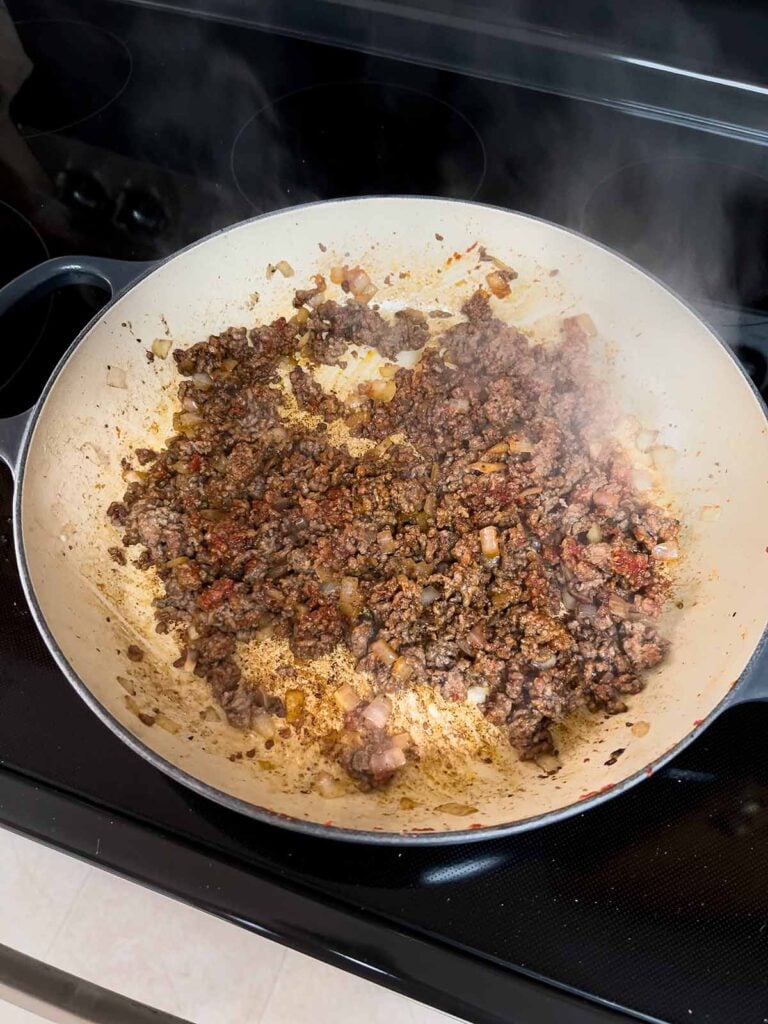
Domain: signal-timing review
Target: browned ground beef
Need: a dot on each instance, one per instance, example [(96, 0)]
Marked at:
[(254, 521)]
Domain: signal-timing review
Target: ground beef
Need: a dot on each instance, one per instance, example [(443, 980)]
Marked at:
[(257, 523)]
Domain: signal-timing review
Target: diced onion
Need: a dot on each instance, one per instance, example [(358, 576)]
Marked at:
[(487, 467), (117, 378), (489, 542), (520, 445), (402, 740), (594, 534), (387, 760), (349, 596), (328, 787), (498, 449), (388, 370), (265, 632), (477, 635), (403, 669), (202, 381), (382, 390), (667, 552), (664, 457), (285, 269), (133, 476), (360, 284), (189, 662), (458, 404), (569, 601), (428, 596), (174, 563), (384, 652), (357, 419), (294, 706), (460, 810), (386, 541), (546, 663), (645, 439), (586, 323), (161, 347), (477, 695), (264, 725), (499, 264), (187, 422), (347, 697), (338, 274), (548, 763), (605, 499), (618, 606), (498, 284), (377, 713)]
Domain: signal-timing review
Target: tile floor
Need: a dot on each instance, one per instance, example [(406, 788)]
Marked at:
[(90, 923)]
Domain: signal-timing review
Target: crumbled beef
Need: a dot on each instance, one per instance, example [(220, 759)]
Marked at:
[(253, 519), (311, 397), (145, 455)]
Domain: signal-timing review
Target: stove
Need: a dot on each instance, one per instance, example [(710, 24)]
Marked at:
[(653, 906)]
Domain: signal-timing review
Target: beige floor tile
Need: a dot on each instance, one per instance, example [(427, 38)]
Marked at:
[(37, 889), (166, 954), (310, 992), (10, 1014)]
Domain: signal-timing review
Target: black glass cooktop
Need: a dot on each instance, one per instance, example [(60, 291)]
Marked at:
[(167, 127)]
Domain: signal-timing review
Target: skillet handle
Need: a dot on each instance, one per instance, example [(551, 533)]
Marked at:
[(114, 276)]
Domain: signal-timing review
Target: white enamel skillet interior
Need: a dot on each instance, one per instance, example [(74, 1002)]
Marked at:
[(664, 365)]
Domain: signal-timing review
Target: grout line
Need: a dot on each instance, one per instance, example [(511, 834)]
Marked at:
[(65, 919), (275, 978)]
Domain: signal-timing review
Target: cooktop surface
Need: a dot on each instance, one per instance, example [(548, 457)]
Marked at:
[(167, 127)]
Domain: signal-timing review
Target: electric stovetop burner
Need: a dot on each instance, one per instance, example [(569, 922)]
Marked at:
[(357, 138), (700, 225), (79, 70)]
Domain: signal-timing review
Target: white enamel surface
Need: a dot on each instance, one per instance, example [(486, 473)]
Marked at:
[(665, 367)]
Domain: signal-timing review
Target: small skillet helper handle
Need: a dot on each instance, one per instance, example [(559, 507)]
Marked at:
[(113, 276)]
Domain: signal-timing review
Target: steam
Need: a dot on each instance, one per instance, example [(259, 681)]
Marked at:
[(691, 206)]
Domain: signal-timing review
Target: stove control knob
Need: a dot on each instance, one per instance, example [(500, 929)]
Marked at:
[(140, 211), (82, 192)]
